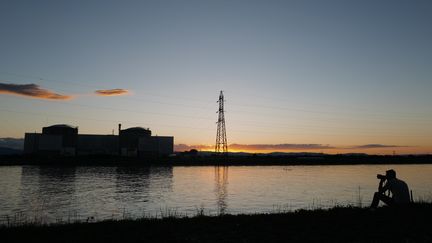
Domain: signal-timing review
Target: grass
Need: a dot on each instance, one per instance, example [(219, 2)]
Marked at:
[(338, 224)]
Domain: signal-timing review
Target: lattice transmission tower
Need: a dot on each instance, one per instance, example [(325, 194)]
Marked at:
[(221, 139)]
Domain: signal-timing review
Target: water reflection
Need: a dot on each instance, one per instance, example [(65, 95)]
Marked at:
[(137, 189), (57, 180), (48, 180), (109, 192), (10, 193), (221, 188), (134, 182), (164, 173), (40, 185), (131, 181), (161, 185)]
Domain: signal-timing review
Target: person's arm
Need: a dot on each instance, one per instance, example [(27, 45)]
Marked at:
[(381, 188)]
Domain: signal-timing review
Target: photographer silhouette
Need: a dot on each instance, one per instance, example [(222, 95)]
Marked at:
[(398, 189)]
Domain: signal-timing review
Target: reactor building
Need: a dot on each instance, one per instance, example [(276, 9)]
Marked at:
[(64, 140)]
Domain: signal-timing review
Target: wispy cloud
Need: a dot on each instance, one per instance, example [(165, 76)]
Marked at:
[(111, 92), (31, 90), (371, 146), (256, 147)]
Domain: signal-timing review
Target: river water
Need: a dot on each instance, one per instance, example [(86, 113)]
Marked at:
[(53, 194)]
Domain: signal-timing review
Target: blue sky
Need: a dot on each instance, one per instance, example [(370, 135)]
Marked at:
[(326, 72)]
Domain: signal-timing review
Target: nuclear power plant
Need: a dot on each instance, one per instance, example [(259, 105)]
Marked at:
[(64, 140)]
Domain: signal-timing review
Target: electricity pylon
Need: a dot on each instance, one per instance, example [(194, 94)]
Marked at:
[(221, 139)]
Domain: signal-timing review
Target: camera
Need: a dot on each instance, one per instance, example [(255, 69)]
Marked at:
[(381, 177)]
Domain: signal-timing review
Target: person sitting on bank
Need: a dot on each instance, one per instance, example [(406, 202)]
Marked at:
[(398, 189)]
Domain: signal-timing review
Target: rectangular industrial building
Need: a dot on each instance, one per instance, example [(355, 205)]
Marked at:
[(65, 140)]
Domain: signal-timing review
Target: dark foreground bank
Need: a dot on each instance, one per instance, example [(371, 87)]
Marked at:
[(410, 224)]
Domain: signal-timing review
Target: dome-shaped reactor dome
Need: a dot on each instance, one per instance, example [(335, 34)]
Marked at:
[(69, 133), (60, 129), (139, 131)]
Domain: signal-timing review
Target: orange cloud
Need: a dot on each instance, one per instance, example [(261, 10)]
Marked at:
[(31, 90), (111, 92)]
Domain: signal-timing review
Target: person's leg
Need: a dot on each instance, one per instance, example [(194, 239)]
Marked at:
[(386, 199), (379, 196), (375, 200)]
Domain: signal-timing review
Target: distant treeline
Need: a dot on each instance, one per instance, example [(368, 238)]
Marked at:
[(189, 160)]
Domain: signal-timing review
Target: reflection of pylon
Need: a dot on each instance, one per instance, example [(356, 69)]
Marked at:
[(221, 139), (221, 179)]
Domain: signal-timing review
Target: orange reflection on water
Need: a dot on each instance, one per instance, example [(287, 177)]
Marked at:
[(221, 184)]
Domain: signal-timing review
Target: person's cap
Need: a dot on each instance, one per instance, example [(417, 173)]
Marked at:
[(391, 173)]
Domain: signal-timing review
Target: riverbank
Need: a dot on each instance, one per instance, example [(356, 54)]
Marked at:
[(315, 159), (410, 224)]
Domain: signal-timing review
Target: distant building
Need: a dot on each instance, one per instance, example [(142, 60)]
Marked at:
[(129, 140), (89, 144), (65, 140), (54, 140)]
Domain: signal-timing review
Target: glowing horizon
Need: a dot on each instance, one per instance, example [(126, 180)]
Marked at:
[(339, 150)]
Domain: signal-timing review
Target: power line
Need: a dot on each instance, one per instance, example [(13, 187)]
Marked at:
[(175, 115), (378, 113), (238, 111), (207, 128), (207, 117), (339, 106)]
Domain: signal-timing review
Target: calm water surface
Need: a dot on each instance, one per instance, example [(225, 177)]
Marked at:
[(51, 194)]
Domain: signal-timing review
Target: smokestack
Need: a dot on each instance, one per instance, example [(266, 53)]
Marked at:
[(119, 144)]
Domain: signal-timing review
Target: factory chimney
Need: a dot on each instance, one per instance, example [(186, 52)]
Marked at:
[(119, 144)]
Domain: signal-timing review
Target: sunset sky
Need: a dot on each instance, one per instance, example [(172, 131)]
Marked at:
[(313, 76)]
